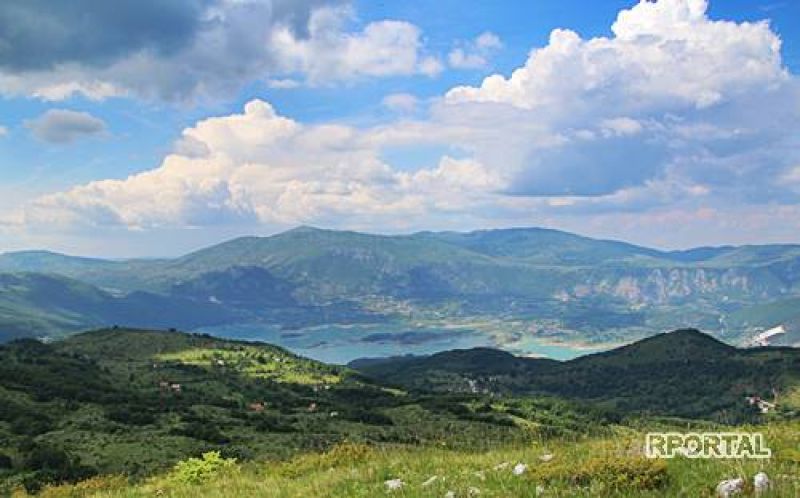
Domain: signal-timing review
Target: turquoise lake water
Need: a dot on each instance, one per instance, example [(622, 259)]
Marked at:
[(343, 343)]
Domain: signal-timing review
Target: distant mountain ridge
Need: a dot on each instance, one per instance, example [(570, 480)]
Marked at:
[(566, 285)]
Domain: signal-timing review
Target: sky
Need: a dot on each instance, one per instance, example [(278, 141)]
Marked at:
[(139, 129)]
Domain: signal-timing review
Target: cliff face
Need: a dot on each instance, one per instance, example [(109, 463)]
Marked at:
[(673, 285)]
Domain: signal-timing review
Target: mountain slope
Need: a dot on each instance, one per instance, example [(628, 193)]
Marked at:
[(542, 246), (49, 262), (554, 284), (684, 373), (129, 401), (33, 304)]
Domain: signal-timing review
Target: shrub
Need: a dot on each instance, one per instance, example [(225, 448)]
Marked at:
[(196, 470), (202, 431), (131, 415), (618, 473)]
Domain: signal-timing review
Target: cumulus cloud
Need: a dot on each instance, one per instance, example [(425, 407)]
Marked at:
[(642, 105), (383, 48), (664, 55), (260, 167), (62, 126), (474, 54), (193, 49), (676, 118)]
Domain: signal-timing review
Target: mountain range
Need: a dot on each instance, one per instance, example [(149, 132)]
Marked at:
[(504, 286)]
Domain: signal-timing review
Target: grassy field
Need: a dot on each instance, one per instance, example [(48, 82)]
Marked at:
[(611, 466)]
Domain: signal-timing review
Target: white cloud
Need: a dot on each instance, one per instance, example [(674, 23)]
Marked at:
[(474, 54), (621, 127), (430, 66), (383, 48), (488, 41), (261, 167), (62, 126), (663, 55), (3, 131)]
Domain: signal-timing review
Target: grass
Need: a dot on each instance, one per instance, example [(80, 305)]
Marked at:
[(255, 362), (611, 466)]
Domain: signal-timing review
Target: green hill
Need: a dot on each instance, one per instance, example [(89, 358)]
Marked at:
[(135, 402), (42, 305), (543, 246), (135, 407), (49, 262), (684, 373)]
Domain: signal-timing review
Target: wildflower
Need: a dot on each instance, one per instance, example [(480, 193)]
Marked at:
[(761, 483), (730, 487), (520, 469), (394, 484)]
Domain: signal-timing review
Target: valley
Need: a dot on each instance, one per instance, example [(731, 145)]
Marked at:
[(337, 296)]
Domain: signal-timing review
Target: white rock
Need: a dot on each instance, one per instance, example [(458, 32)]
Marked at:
[(730, 487), (546, 457), (430, 481), (520, 469), (761, 483), (501, 466), (394, 484)]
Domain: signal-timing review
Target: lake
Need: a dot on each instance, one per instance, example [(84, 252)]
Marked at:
[(340, 344)]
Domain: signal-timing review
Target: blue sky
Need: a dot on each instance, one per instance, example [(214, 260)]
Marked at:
[(673, 130)]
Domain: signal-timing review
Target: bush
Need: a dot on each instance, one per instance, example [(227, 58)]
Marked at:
[(238, 453), (53, 465), (197, 470), (202, 431), (131, 415), (618, 473)]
